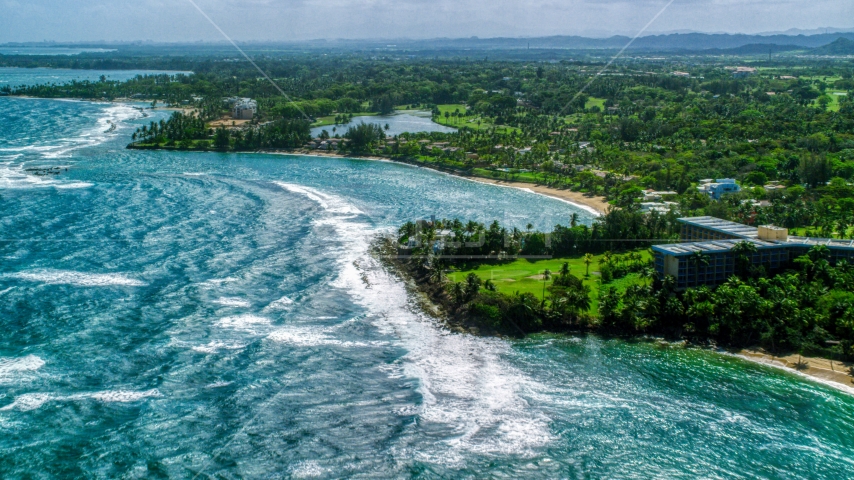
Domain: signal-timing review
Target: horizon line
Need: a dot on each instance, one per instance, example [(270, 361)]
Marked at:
[(838, 31)]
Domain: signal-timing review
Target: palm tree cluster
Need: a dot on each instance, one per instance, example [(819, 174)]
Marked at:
[(809, 306), (190, 132), (179, 127), (802, 307)]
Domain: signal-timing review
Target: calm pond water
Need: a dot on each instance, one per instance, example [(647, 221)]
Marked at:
[(410, 121)]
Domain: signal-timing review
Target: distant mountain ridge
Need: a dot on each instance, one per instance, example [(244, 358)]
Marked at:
[(837, 43), (842, 46), (671, 42)]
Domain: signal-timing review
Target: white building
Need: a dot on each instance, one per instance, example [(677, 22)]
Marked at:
[(244, 109), (660, 207)]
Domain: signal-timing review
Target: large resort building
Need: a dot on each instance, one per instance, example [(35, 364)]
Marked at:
[(716, 238)]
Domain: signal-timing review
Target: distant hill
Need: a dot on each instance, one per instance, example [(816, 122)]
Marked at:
[(752, 49), (842, 46), (837, 43), (661, 43)]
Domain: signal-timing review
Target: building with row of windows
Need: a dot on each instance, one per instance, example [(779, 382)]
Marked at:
[(715, 239)]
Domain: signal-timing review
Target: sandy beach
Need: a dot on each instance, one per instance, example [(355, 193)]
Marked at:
[(831, 372), (591, 203), (597, 204)]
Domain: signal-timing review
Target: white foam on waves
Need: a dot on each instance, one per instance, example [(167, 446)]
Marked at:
[(466, 385), (11, 368), (109, 121), (215, 346), (232, 302), (305, 336), (107, 125), (79, 279), (330, 203), (123, 396), (27, 402), (243, 322), (33, 401), (281, 304), (13, 177)]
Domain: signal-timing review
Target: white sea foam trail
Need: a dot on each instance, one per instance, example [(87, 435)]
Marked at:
[(232, 302), (33, 401), (303, 336), (243, 322), (109, 121), (281, 304), (14, 177), (79, 279), (466, 386), (12, 368), (27, 402), (214, 347), (122, 396), (330, 203)]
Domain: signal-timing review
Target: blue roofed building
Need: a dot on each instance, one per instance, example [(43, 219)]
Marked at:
[(719, 187)]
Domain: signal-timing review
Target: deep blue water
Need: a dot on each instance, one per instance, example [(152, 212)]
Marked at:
[(173, 315)]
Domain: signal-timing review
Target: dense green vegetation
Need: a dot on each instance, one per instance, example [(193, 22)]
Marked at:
[(785, 133), (806, 307), (190, 132), (638, 127)]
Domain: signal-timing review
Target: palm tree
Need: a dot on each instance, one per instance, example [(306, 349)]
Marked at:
[(588, 259), (564, 269), (438, 274), (458, 292), (743, 252), (819, 252), (547, 274), (698, 259), (573, 220)]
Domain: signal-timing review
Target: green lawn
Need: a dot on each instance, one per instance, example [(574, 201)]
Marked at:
[(330, 119), (829, 79), (833, 106), (595, 102), (802, 232), (468, 121), (451, 109), (525, 276)]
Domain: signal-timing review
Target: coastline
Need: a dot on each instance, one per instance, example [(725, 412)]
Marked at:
[(836, 374), (435, 302), (595, 205)]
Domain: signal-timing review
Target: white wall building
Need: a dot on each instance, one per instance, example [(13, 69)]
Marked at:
[(244, 109)]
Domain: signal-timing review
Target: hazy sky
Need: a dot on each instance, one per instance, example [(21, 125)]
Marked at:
[(178, 20)]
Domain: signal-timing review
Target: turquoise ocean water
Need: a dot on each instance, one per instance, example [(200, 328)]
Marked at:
[(174, 315), (16, 77)]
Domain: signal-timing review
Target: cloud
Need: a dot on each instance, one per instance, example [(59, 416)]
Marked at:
[(245, 20)]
